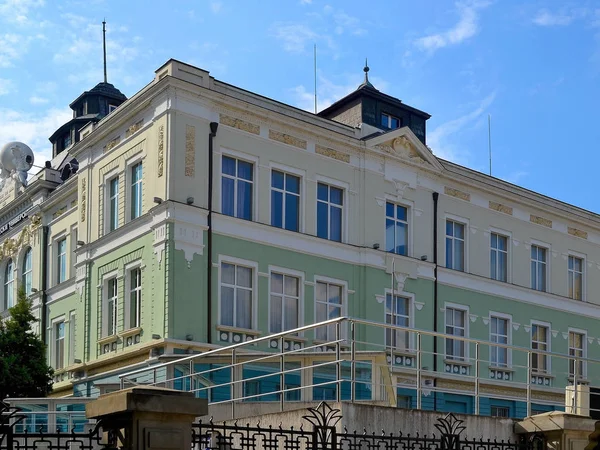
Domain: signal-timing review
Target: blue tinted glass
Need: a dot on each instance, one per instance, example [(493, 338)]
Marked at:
[(322, 220), (389, 209), (337, 195), (449, 230), (277, 179), (245, 170), (137, 172), (244, 205), (227, 189), (389, 235), (395, 123), (228, 166), (276, 209), (449, 253), (336, 225), (401, 238), (323, 192), (291, 212), (384, 120), (292, 184), (401, 212)]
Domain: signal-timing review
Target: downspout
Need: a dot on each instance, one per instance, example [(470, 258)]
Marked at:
[(435, 293), (43, 296), (211, 136)]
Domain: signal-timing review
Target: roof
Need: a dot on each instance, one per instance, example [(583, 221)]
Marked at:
[(81, 120), (103, 89)]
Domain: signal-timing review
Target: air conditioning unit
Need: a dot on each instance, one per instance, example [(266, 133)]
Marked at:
[(581, 407)]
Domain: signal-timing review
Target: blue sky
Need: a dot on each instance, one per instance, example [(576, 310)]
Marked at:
[(534, 66)]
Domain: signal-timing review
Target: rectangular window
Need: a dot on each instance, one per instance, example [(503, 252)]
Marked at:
[(135, 297), (500, 411), (136, 191), (236, 187), (285, 300), (61, 260), (113, 204), (538, 268), (111, 306), (577, 349), (236, 295), (285, 200), (330, 204), (328, 306), (388, 121), (59, 345), (499, 257), (397, 312), (72, 338), (499, 329), (575, 278), (539, 341), (455, 326), (396, 229), (455, 245)]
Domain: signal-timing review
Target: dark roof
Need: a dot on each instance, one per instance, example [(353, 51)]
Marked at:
[(103, 89), (82, 120)]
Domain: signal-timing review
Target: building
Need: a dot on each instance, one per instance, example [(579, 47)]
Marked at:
[(306, 217)]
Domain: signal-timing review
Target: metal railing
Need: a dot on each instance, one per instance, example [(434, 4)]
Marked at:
[(259, 369)]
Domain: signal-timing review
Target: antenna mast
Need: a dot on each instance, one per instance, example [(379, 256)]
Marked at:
[(490, 140), (104, 47), (315, 64)]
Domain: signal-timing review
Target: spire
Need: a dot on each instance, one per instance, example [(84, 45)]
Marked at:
[(104, 47), (366, 83)]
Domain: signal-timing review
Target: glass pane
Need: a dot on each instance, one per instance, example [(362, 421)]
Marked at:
[(401, 213), (449, 228), (291, 286), (244, 308), (321, 312), (244, 206), (275, 322), (542, 254), (292, 212), (459, 230), (458, 255), (334, 312), (323, 192), (493, 265), (384, 120), (390, 244), (227, 273), (277, 209), (277, 179), (389, 209), (228, 165), (336, 196), (291, 313), (402, 306), (388, 305), (533, 252), (494, 240), (502, 266), (336, 224), (245, 170), (321, 292), (401, 239), (322, 220), (335, 294), (277, 283), (395, 123), (244, 276), (227, 196), (449, 253), (292, 184)]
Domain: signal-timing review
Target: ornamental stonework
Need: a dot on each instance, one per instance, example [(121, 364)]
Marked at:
[(190, 151), (331, 153), (540, 221), (457, 193), (287, 139), (112, 144), (83, 197), (239, 124), (161, 150), (501, 208), (134, 128), (577, 232)]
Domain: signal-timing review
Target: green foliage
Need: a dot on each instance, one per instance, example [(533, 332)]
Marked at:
[(23, 368)]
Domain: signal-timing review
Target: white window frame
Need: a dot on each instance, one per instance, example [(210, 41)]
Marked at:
[(5, 282), (583, 274), (548, 345), (52, 348), (345, 187), (254, 266), (294, 273), (508, 317), (298, 173), (255, 185), (465, 310), (389, 120), (344, 308), (508, 236), (24, 273), (56, 243), (409, 220), (548, 248), (108, 178), (466, 222), (411, 318), (127, 291), (72, 320), (106, 278), (139, 158), (584, 350)]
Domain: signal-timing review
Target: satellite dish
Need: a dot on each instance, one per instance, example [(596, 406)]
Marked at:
[(16, 159)]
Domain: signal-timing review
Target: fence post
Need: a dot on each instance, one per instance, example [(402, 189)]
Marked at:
[(338, 365), (192, 368), (233, 382), (476, 378), (419, 406), (575, 388), (529, 354), (353, 360)]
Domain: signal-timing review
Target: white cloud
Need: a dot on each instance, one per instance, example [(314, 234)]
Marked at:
[(294, 37), (545, 18), (6, 86), (466, 27), (216, 7), (305, 2), (11, 47), (18, 10), (35, 100)]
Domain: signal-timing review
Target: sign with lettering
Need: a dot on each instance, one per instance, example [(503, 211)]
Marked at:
[(14, 221)]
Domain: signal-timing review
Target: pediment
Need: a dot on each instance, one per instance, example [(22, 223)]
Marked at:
[(403, 144)]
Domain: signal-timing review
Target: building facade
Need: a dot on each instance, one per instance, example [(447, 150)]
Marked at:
[(305, 217)]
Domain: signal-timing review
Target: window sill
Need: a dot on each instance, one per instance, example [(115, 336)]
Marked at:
[(458, 362), (542, 374), (238, 330), (108, 339), (129, 332), (580, 381), (508, 369)]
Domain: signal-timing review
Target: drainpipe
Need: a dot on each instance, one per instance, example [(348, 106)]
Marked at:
[(435, 196), (43, 319), (211, 136)]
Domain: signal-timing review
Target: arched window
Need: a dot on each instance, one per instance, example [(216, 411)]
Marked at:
[(27, 274), (9, 279)]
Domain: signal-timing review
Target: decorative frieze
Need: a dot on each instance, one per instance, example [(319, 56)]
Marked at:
[(59, 212), (287, 139), (83, 198), (457, 193), (331, 153), (501, 208), (239, 124), (112, 144), (134, 128), (190, 151), (577, 232), (540, 221), (161, 150)]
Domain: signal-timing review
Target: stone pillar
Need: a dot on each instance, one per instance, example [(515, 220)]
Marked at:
[(149, 418), (562, 431)]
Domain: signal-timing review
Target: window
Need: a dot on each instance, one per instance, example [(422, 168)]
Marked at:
[(575, 278), (59, 345), (499, 257), (455, 326), (539, 341), (500, 411), (538, 268), (397, 312), (111, 108), (455, 245), (285, 200), (330, 202), (135, 297), (236, 296), (499, 329), (113, 204), (285, 300), (328, 306), (236, 187), (27, 274), (577, 349), (136, 190), (396, 229), (9, 285), (111, 306), (66, 141), (61, 260), (388, 121)]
